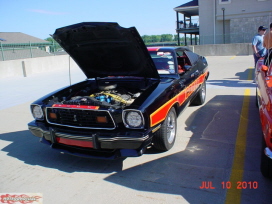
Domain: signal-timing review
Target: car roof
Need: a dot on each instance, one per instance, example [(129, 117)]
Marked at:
[(166, 48)]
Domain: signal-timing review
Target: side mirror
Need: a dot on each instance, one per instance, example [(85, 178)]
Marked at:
[(187, 67)]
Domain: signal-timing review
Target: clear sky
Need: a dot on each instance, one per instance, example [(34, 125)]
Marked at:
[(40, 18)]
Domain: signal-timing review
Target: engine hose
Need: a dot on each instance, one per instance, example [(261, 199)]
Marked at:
[(115, 97)]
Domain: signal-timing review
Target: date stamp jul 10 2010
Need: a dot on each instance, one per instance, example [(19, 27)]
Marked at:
[(229, 185)]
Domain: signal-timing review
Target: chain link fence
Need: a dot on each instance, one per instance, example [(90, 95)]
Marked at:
[(29, 50)]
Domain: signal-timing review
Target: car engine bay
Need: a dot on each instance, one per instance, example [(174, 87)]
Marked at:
[(108, 95)]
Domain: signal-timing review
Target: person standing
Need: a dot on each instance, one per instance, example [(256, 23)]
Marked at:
[(257, 45), (267, 43)]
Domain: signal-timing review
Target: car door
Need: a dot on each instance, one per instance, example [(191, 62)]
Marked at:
[(262, 88), (189, 62), (264, 94), (193, 60)]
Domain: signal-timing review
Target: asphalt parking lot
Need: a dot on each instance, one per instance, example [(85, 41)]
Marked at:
[(218, 145)]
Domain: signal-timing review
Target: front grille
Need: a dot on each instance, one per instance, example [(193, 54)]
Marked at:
[(79, 118)]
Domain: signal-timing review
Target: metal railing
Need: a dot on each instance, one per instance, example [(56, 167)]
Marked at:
[(32, 50), (28, 50)]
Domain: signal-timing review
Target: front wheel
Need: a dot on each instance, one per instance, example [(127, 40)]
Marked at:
[(266, 163), (164, 138)]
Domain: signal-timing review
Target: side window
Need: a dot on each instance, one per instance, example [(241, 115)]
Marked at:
[(179, 53), (182, 60), (193, 58)]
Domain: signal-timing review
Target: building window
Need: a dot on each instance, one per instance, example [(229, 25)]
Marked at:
[(224, 1)]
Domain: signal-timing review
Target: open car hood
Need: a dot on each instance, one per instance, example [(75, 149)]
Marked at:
[(106, 49)]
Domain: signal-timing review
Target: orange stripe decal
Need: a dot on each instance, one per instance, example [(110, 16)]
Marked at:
[(160, 114), (75, 106)]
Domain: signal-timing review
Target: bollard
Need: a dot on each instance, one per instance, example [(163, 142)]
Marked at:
[(24, 69)]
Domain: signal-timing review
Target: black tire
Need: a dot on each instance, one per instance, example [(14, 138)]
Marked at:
[(266, 163), (257, 99), (200, 96), (165, 137)]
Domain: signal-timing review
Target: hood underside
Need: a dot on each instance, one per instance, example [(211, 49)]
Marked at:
[(106, 49)]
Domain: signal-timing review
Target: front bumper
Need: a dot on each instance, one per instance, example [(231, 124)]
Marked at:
[(105, 144)]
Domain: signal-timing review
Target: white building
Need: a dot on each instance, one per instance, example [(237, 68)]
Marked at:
[(223, 21)]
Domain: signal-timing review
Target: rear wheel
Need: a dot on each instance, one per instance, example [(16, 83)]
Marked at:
[(266, 163), (165, 137), (200, 96)]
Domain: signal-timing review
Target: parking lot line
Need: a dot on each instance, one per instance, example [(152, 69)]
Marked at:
[(237, 171)]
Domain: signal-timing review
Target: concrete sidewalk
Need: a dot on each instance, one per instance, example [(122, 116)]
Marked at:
[(18, 90)]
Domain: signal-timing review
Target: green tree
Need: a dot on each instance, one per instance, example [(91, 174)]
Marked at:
[(50, 39), (54, 46), (146, 39), (166, 37), (155, 38)]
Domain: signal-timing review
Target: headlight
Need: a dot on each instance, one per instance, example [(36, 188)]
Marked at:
[(37, 112), (133, 119)]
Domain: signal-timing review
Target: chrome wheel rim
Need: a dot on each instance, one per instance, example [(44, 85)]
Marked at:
[(171, 127), (203, 91)]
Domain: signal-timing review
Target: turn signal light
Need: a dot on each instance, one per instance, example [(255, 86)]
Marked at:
[(53, 115), (101, 119)]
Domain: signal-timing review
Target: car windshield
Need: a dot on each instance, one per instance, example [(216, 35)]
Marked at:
[(164, 61)]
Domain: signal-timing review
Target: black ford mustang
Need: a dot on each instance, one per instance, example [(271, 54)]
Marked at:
[(130, 99)]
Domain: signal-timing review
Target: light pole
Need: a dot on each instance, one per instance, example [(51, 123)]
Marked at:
[(223, 9)]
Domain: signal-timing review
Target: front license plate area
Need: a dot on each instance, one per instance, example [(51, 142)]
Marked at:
[(71, 142)]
